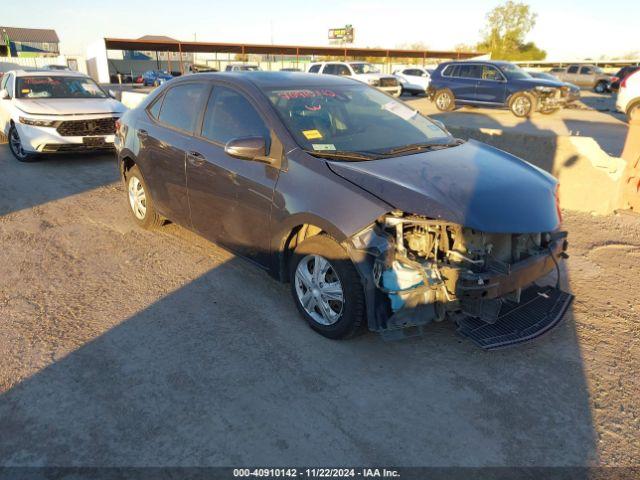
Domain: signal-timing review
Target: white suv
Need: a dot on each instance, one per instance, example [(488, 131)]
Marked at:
[(628, 101), (413, 80), (361, 71), (54, 112)]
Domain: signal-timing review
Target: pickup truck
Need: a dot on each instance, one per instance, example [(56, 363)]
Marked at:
[(588, 76)]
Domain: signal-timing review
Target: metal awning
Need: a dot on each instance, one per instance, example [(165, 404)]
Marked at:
[(246, 48)]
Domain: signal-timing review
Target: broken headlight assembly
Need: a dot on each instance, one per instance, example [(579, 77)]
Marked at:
[(426, 270)]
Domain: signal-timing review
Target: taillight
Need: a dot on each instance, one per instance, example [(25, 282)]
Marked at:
[(614, 79), (623, 84), (558, 209)]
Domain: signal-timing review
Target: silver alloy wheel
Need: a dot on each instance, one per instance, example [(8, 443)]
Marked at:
[(16, 144), (137, 198), (522, 105), (443, 101), (319, 289), (600, 87)]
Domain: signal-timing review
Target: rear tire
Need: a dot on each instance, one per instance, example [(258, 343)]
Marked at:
[(15, 145), (140, 201), (331, 301), (522, 104), (444, 100), (601, 87)]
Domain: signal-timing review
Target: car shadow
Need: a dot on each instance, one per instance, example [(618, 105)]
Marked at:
[(59, 176), (223, 371)]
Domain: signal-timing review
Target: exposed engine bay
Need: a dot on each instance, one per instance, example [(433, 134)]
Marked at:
[(426, 270)]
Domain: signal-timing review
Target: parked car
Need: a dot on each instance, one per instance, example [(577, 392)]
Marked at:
[(242, 67), (588, 76), (375, 214), (49, 112), (623, 73), (362, 71), (57, 67), (574, 91), (413, 80), (195, 68), (155, 78), (494, 84), (628, 99)]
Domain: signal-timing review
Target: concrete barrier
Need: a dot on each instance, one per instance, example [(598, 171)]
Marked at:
[(132, 99), (590, 179), (630, 188)]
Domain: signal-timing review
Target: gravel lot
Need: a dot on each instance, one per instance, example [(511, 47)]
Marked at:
[(125, 347)]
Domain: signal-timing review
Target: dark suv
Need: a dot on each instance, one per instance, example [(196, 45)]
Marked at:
[(494, 84), (375, 214)]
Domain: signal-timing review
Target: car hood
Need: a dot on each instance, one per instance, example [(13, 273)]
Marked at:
[(473, 185), (69, 106), (541, 82), (371, 76)]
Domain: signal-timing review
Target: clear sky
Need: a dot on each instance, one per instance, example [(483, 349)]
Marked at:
[(565, 29)]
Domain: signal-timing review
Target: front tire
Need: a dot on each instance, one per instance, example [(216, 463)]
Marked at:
[(444, 100), (15, 145), (140, 201), (522, 104), (326, 288)]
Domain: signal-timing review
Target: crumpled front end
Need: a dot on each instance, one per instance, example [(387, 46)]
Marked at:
[(423, 270)]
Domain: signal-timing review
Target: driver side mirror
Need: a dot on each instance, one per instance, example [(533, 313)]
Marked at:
[(248, 148), (4, 95)]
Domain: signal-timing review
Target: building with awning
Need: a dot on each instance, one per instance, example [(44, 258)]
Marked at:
[(28, 42)]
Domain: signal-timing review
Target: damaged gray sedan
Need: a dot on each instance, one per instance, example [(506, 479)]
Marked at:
[(376, 215)]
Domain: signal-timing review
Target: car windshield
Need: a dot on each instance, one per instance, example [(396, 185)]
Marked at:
[(352, 118), (513, 71), (58, 87), (360, 68)]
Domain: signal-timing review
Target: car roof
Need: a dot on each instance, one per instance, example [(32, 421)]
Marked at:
[(264, 80), (47, 73)]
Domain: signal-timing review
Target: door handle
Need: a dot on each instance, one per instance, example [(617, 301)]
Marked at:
[(195, 158), (143, 133)]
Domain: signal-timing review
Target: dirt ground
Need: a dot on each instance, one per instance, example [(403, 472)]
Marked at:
[(125, 347)]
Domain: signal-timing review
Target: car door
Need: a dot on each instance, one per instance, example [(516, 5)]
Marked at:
[(571, 76), (231, 198), (492, 86), (585, 77), (166, 134), (465, 81)]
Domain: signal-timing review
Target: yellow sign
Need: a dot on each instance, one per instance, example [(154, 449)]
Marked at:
[(311, 134)]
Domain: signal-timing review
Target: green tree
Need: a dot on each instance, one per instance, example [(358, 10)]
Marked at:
[(507, 26)]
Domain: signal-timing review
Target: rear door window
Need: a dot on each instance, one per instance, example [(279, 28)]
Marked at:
[(314, 68), (573, 69), (330, 69), (470, 71), (230, 115), (586, 71), (182, 105), (449, 71)]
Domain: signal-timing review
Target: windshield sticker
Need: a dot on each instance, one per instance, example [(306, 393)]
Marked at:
[(400, 110), (323, 146), (311, 134), (323, 92)]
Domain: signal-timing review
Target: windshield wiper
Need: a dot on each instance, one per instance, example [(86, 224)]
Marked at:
[(417, 147), (342, 155)]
